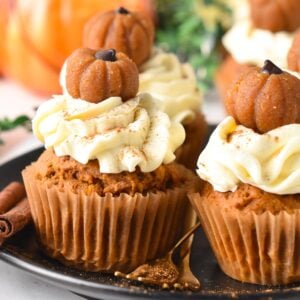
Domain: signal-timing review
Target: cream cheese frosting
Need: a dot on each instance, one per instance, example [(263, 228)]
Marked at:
[(236, 154), (121, 136), (173, 83), (249, 45)]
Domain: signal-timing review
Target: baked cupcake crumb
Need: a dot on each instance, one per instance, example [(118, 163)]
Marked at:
[(56, 170)]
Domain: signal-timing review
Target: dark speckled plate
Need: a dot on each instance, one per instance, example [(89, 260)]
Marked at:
[(22, 251)]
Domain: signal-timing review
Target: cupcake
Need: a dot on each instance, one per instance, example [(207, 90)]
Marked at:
[(106, 195), (161, 73), (255, 37), (249, 204), (293, 57)]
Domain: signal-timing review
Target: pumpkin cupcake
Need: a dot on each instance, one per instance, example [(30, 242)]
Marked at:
[(106, 194), (265, 31), (293, 57), (161, 73), (249, 205)]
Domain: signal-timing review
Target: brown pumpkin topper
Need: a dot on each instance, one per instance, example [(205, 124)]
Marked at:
[(96, 75), (279, 15), (130, 33), (294, 54), (264, 99)]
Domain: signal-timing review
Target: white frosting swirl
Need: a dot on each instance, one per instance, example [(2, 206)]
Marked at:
[(236, 154), (121, 136), (173, 83), (249, 45)]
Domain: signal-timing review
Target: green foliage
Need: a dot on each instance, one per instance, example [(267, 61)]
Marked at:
[(8, 124), (193, 29)]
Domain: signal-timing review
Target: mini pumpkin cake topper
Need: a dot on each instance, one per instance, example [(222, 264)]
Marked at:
[(279, 15), (94, 75), (294, 54), (127, 32), (264, 99)]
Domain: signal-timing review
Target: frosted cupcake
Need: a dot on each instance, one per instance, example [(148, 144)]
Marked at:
[(265, 30), (106, 194), (293, 57), (249, 205), (161, 73)]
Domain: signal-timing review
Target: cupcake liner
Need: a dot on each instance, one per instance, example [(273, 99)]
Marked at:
[(106, 233), (256, 248), (196, 133)]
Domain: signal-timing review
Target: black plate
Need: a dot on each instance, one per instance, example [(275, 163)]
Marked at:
[(22, 251)]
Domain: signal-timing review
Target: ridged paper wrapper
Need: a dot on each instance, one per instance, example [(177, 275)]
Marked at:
[(257, 248), (196, 134), (106, 233)]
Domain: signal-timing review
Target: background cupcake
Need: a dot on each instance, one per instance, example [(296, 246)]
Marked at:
[(161, 73), (265, 29), (293, 57), (249, 205), (105, 195)]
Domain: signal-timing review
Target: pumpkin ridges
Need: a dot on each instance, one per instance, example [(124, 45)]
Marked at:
[(74, 68), (291, 93), (101, 74), (270, 106), (128, 85), (94, 75), (125, 24), (91, 38), (288, 106), (148, 34), (231, 95), (264, 99), (107, 26), (294, 96), (114, 40), (136, 40), (237, 108), (113, 79), (250, 90)]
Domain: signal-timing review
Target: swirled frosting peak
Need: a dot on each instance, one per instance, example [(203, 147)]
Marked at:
[(236, 154), (249, 45), (173, 83), (121, 136)]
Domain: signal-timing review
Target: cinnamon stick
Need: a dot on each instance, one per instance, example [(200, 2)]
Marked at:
[(14, 210), (11, 195)]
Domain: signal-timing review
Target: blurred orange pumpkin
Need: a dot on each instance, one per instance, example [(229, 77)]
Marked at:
[(38, 35)]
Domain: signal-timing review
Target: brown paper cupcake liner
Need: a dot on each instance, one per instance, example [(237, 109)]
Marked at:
[(196, 133), (256, 248), (106, 233)]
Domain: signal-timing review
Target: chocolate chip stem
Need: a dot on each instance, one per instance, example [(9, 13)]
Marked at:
[(122, 10), (270, 68), (106, 55)]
